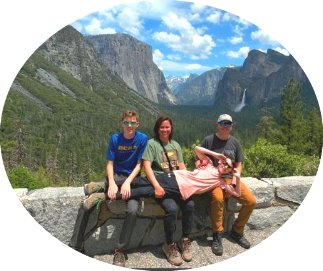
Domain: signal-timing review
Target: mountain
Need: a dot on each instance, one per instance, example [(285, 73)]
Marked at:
[(175, 83), (66, 100), (260, 80), (63, 105), (132, 61), (200, 90)]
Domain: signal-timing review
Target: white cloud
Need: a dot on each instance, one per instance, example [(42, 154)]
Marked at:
[(214, 17), (227, 17), (184, 38), (263, 38), (242, 52), (175, 57), (281, 50), (95, 28), (235, 40), (157, 56), (129, 20), (173, 66)]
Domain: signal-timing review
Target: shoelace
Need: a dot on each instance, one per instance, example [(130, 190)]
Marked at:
[(118, 256), (186, 244), (173, 250)]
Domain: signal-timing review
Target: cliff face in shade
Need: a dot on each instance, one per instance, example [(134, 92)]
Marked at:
[(132, 61), (263, 75)]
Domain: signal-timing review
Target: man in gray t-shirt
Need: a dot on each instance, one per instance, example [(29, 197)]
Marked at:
[(223, 142)]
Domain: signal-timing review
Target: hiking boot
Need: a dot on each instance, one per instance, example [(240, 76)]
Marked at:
[(93, 187), (94, 199), (119, 258), (239, 239), (185, 247), (172, 254), (217, 247)]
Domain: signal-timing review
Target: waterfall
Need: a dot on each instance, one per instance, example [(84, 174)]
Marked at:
[(242, 103)]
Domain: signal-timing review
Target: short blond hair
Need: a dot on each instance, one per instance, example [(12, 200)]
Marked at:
[(130, 113)]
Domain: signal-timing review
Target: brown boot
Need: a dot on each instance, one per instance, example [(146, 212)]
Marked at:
[(93, 200), (93, 187), (185, 247), (119, 258), (172, 254)]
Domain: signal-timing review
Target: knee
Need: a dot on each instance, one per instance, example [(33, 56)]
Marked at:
[(189, 207), (217, 196), (171, 210), (252, 201)]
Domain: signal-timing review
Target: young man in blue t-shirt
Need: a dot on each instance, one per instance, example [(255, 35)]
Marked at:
[(123, 166)]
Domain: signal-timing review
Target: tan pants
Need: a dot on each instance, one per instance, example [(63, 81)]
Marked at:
[(247, 199)]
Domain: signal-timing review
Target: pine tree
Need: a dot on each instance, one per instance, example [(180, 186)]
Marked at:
[(314, 133), (292, 118)]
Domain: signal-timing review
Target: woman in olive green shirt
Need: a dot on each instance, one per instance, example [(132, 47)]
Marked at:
[(163, 154)]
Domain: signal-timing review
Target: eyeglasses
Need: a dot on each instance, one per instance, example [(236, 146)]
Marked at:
[(130, 123), (225, 123)]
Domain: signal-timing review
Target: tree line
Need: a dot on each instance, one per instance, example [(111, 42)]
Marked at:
[(61, 154)]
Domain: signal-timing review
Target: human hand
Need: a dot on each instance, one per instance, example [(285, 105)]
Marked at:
[(201, 163), (125, 190), (236, 173), (112, 191), (159, 192)]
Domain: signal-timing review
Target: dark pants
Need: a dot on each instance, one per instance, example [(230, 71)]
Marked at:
[(171, 203), (84, 228)]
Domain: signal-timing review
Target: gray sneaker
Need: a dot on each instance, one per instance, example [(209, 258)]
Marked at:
[(93, 187), (239, 239), (94, 199), (172, 254), (217, 247), (185, 247)]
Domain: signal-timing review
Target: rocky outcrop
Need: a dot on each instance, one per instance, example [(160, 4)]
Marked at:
[(132, 61), (263, 75), (56, 209), (200, 90)]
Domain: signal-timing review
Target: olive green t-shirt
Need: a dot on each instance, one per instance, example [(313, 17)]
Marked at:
[(155, 154)]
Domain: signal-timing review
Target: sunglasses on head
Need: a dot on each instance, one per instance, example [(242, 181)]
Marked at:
[(130, 123), (225, 123)]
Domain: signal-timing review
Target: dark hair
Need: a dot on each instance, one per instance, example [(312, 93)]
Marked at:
[(158, 123)]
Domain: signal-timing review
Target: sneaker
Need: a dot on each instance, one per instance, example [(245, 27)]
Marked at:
[(172, 254), (94, 199), (217, 247), (93, 187), (119, 258), (239, 239), (185, 248)]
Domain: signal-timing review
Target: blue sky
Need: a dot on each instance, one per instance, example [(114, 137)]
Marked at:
[(185, 37)]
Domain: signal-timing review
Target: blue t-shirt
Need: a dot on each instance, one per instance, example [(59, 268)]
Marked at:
[(125, 153)]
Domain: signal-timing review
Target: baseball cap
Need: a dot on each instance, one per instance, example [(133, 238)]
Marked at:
[(224, 117)]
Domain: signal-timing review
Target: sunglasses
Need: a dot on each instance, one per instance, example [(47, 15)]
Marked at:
[(225, 123), (130, 123)]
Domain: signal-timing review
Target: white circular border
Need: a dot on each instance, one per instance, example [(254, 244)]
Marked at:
[(27, 24)]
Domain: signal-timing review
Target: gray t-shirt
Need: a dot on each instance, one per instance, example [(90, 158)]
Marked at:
[(230, 148)]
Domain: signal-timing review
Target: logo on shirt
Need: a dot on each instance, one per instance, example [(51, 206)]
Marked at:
[(172, 155), (126, 148)]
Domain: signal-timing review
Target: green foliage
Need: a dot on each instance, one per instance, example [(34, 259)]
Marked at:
[(64, 142), (21, 176), (292, 118), (265, 159), (314, 133), (190, 156)]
